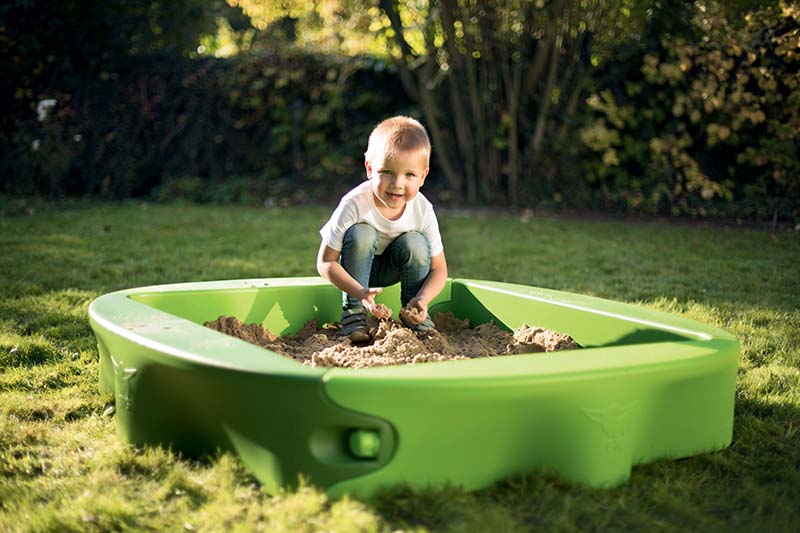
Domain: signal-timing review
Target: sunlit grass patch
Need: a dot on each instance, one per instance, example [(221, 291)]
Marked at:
[(65, 404), (70, 372), (21, 350), (63, 468)]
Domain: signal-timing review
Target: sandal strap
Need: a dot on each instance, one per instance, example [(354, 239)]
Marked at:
[(423, 327), (353, 321)]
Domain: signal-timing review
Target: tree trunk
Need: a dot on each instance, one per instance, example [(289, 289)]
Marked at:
[(544, 106), (460, 118), (427, 100), (468, 64), (419, 89), (406, 76), (512, 76)]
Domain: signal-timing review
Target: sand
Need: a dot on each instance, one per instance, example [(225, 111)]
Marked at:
[(394, 344), (412, 315)]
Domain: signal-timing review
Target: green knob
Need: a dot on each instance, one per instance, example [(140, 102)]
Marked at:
[(365, 443)]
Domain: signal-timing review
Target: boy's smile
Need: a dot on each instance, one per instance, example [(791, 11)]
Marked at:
[(396, 180)]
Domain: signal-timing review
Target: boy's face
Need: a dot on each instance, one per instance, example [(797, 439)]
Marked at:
[(396, 180)]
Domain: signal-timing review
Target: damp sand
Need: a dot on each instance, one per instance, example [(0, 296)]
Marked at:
[(394, 344)]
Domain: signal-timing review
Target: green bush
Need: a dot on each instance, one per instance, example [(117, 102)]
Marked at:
[(122, 133), (708, 126)]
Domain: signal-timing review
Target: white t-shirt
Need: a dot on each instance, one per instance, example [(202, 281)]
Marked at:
[(358, 205)]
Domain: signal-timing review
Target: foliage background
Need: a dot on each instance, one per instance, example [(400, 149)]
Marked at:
[(704, 122), (660, 107)]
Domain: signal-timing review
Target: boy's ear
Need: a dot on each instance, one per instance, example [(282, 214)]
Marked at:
[(424, 175), (369, 168)]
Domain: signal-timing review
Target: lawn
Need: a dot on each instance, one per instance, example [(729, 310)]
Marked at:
[(63, 468)]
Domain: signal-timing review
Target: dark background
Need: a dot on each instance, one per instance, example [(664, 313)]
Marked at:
[(680, 109)]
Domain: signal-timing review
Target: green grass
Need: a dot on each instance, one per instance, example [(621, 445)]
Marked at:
[(63, 468)]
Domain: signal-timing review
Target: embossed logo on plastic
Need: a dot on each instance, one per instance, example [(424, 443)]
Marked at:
[(613, 421), (123, 377)]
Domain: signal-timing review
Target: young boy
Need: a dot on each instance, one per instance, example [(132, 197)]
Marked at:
[(385, 231)]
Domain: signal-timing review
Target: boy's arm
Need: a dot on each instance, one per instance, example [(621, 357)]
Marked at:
[(329, 268), (433, 285)]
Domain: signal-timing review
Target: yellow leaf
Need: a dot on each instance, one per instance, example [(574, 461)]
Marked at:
[(610, 158)]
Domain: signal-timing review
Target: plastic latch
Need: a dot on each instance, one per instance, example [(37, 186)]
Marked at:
[(365, 443)]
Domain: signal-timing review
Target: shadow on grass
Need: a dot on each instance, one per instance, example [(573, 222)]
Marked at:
[(754, 483)]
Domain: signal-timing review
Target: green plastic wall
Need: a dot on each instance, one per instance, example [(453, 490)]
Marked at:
[(647, 385)]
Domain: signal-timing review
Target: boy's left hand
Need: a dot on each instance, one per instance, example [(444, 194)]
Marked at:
[(420, 304), (368, 298)]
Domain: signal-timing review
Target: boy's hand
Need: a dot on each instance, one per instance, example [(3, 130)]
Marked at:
[(422, 307), (368, 298)]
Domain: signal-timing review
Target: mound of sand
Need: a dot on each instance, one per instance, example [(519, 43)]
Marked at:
[(394, 344)]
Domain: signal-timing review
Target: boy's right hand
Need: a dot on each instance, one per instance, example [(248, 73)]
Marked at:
[(368, 298)]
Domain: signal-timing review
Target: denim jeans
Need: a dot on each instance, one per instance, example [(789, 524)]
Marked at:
[(407, 259)]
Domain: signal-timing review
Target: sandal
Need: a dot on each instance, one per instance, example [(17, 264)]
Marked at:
[(425, 326), (354, 325)]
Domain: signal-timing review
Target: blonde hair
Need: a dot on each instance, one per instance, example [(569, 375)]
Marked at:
[(397, 135)]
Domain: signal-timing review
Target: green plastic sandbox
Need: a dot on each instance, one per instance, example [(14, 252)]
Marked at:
[(646, 385)]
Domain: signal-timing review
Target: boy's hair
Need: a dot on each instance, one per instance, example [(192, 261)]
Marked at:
[(398, 134)]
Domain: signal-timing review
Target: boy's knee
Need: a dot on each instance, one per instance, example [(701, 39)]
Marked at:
[(361, 237), (418, 249)]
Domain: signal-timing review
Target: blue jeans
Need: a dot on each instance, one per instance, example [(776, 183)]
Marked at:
[(407, 259)]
